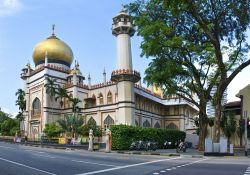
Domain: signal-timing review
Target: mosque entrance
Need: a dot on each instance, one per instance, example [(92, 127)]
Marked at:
[(35, 132)]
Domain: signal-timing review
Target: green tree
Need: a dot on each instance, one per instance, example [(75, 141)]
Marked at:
[(51, 87), (61, 94), (84, 130), (3, 116), (51, 130), (228, 126), (196, 45), (70, 125), (21, 102), (9, 127), (74, 102)]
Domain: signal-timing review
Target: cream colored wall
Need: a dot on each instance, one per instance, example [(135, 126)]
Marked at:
[(245, 92)]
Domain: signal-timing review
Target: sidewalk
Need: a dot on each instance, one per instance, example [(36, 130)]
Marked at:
[(163, 152)]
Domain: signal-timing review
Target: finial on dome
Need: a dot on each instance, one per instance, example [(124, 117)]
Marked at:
[(53, 29), (28, 63), (104, 71), (123, 9)]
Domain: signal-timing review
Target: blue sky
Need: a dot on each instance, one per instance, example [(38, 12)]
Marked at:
[(83, 24)]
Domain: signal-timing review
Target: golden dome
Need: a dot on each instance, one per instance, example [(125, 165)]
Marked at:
[(57, 51), (75, 71)]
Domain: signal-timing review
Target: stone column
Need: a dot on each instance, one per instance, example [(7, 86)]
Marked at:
[(108, 139), (91, 137)]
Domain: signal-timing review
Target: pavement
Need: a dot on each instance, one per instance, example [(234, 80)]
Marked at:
[(18, 159), (191, 152)]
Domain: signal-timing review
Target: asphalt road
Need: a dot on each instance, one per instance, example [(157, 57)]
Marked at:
[(26, 160)]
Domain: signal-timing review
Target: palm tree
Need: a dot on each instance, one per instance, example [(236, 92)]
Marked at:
[(19, 116), (61, 93), (71, 124), (74, 102), (21, 102), (51, 87)]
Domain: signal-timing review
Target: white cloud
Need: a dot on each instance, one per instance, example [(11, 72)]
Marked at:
[(8, 111), (10, 7)]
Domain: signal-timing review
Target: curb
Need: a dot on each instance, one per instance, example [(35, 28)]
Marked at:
[(147, 153)]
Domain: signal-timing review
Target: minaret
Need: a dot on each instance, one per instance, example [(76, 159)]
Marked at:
[(104, 76), (125, 77), (46, 96), (89, 81)]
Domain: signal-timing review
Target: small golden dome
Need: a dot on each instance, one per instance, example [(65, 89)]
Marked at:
[(57, 51), (157, 90), (75, 71)]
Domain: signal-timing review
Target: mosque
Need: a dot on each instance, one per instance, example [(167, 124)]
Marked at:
[(121, 100)]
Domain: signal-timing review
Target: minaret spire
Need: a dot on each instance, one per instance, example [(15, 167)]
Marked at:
[(89, 81), (53, 29), (104, 75)]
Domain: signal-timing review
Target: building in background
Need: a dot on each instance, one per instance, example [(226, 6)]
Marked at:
[(121, 100), (210, 106)]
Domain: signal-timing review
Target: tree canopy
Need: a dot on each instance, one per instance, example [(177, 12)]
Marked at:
[(194, 45)]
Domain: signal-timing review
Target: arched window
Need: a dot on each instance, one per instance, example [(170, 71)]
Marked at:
[(91, 121), (109, 98), (157, 125), (36, 107), (100, 99), (146, 124), (172, 126), (108, 121)]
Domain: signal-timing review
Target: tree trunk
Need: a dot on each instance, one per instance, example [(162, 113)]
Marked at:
[(202, 136), (216, 134), (203, 128)]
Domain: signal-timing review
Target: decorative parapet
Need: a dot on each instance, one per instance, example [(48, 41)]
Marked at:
[(50, 66), (38, 69), (58, 68), (100, 85), (147, 91), (125, 74), (69, 85), (84, 86)]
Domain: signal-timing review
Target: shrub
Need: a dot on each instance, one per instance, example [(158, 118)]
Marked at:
[(51, 130), (123, 135)]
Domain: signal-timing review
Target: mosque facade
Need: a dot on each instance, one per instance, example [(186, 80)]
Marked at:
[(120, 100)]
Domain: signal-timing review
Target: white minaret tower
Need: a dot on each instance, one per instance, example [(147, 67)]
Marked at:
[(89, 81), (104, 76), (125, 77)]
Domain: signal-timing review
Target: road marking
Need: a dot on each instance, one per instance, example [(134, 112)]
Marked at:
[(80, 161), (26, 166), (247, 172), (44, 156), (127, 166), (162, 171), (179, 166)]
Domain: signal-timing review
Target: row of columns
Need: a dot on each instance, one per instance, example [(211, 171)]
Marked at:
[(108, 140)]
